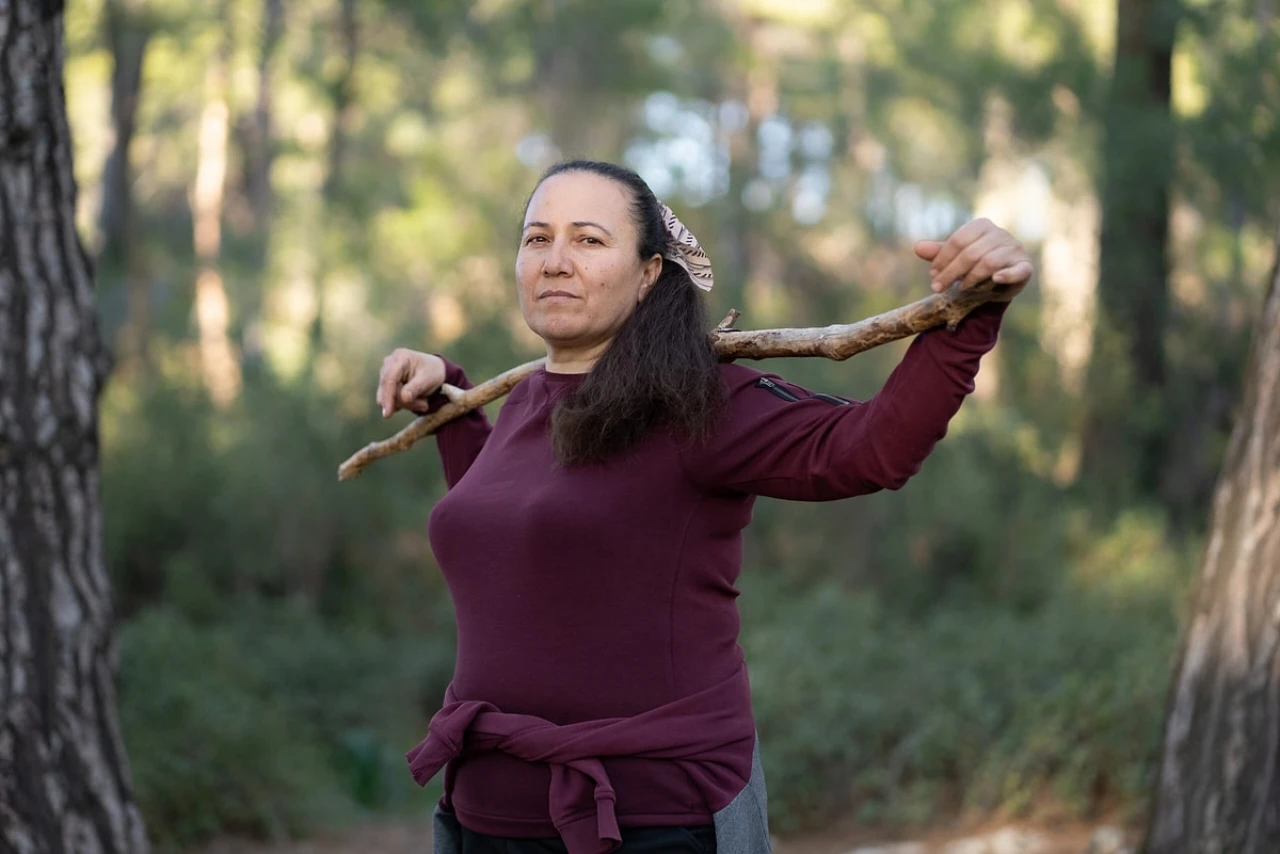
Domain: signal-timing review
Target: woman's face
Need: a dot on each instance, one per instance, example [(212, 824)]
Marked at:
[(579, 239)]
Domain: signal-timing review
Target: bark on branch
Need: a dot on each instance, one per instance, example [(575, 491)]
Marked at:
[(836, 342)]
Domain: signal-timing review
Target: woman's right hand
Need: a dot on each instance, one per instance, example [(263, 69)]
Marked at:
[(407, 379)]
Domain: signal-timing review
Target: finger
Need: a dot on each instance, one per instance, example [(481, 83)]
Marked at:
[(1004, 254), (960, 240), (928, 249), (415, 388), (997, 259), (1018, 274), (957, 243), (388, 382), (419, 406), (966, 259)]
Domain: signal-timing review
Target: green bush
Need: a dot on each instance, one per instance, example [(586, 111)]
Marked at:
[(972, 705), (203, 506), (268, 723), (285, 636)]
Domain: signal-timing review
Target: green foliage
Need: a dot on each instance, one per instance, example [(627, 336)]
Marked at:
[(265, 723), (208, 505), (288, 639), (970, 705), (211, 749)]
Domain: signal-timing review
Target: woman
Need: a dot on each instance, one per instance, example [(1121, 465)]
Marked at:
[(591, 537)]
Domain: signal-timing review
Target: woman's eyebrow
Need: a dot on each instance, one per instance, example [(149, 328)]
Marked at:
[(578, 224)]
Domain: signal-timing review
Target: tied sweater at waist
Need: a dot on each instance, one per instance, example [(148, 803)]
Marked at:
[(703, 733)]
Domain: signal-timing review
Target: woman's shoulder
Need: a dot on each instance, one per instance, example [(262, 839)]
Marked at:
[(739, 375)]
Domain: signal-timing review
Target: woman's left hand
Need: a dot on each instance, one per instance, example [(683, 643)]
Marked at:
[(977, 251)]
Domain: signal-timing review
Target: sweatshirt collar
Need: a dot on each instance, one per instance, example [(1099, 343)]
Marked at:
[(552, 378)]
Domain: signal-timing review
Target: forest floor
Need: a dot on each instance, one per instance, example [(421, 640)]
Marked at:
[(409, 837)]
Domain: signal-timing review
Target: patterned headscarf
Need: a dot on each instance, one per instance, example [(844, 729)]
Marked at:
[(685, 250)]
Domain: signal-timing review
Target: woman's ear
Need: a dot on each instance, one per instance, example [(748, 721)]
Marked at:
[(649, 274)]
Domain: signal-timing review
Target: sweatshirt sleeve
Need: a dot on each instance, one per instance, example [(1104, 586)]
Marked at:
[(781, 440), (460, 440)]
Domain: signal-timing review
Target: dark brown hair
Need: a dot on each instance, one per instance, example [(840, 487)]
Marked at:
[(660, 370)]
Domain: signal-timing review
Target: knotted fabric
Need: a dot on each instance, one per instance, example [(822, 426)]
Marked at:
[(686, 251), (691, 731)]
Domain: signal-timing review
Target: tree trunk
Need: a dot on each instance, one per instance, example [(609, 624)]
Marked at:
[(343, 108), (218, 360), (127, 34), (1124, 436), (335, 182), (259, 150), (1218, 789), (262, 148), (64, 780)]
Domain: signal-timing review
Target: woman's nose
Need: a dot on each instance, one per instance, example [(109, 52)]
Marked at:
[(556, 261)]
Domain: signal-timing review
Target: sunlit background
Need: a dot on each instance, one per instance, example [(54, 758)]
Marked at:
[(277, 193)]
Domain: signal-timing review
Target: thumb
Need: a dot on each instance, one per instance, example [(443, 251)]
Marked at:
[(928, 249)]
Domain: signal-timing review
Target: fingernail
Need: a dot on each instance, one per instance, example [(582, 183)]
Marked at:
[(935, 285)]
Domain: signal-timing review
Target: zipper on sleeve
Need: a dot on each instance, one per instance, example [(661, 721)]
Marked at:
[(765, 382)]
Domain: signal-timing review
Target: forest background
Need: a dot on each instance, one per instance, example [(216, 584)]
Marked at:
[(276, 194)]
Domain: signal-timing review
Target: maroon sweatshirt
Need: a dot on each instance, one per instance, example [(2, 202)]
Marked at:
[(605, 592)]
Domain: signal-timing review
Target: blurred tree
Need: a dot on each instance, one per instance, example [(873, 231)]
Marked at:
[(255, 133), (259, 147), (342, 90), (128, 31), (218, 360), (343, 107), (1218, 786), (1125, 432), (64, 781), (1227, 97)]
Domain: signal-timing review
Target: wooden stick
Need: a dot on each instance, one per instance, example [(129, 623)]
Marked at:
[(837, 342)]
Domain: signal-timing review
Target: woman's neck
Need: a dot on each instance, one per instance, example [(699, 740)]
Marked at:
[(571, 362)]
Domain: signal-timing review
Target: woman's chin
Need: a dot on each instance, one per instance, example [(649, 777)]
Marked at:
[(555, 330)]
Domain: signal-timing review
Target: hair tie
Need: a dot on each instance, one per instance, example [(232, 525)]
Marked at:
[(686, 251)]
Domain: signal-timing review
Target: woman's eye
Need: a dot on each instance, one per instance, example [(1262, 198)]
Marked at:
[(592, 241), (532, 238)]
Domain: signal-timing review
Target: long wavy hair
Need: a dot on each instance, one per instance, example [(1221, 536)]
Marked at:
[(660, 370)]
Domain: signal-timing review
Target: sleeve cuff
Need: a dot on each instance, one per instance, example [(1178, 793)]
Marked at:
[(454, 376)]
